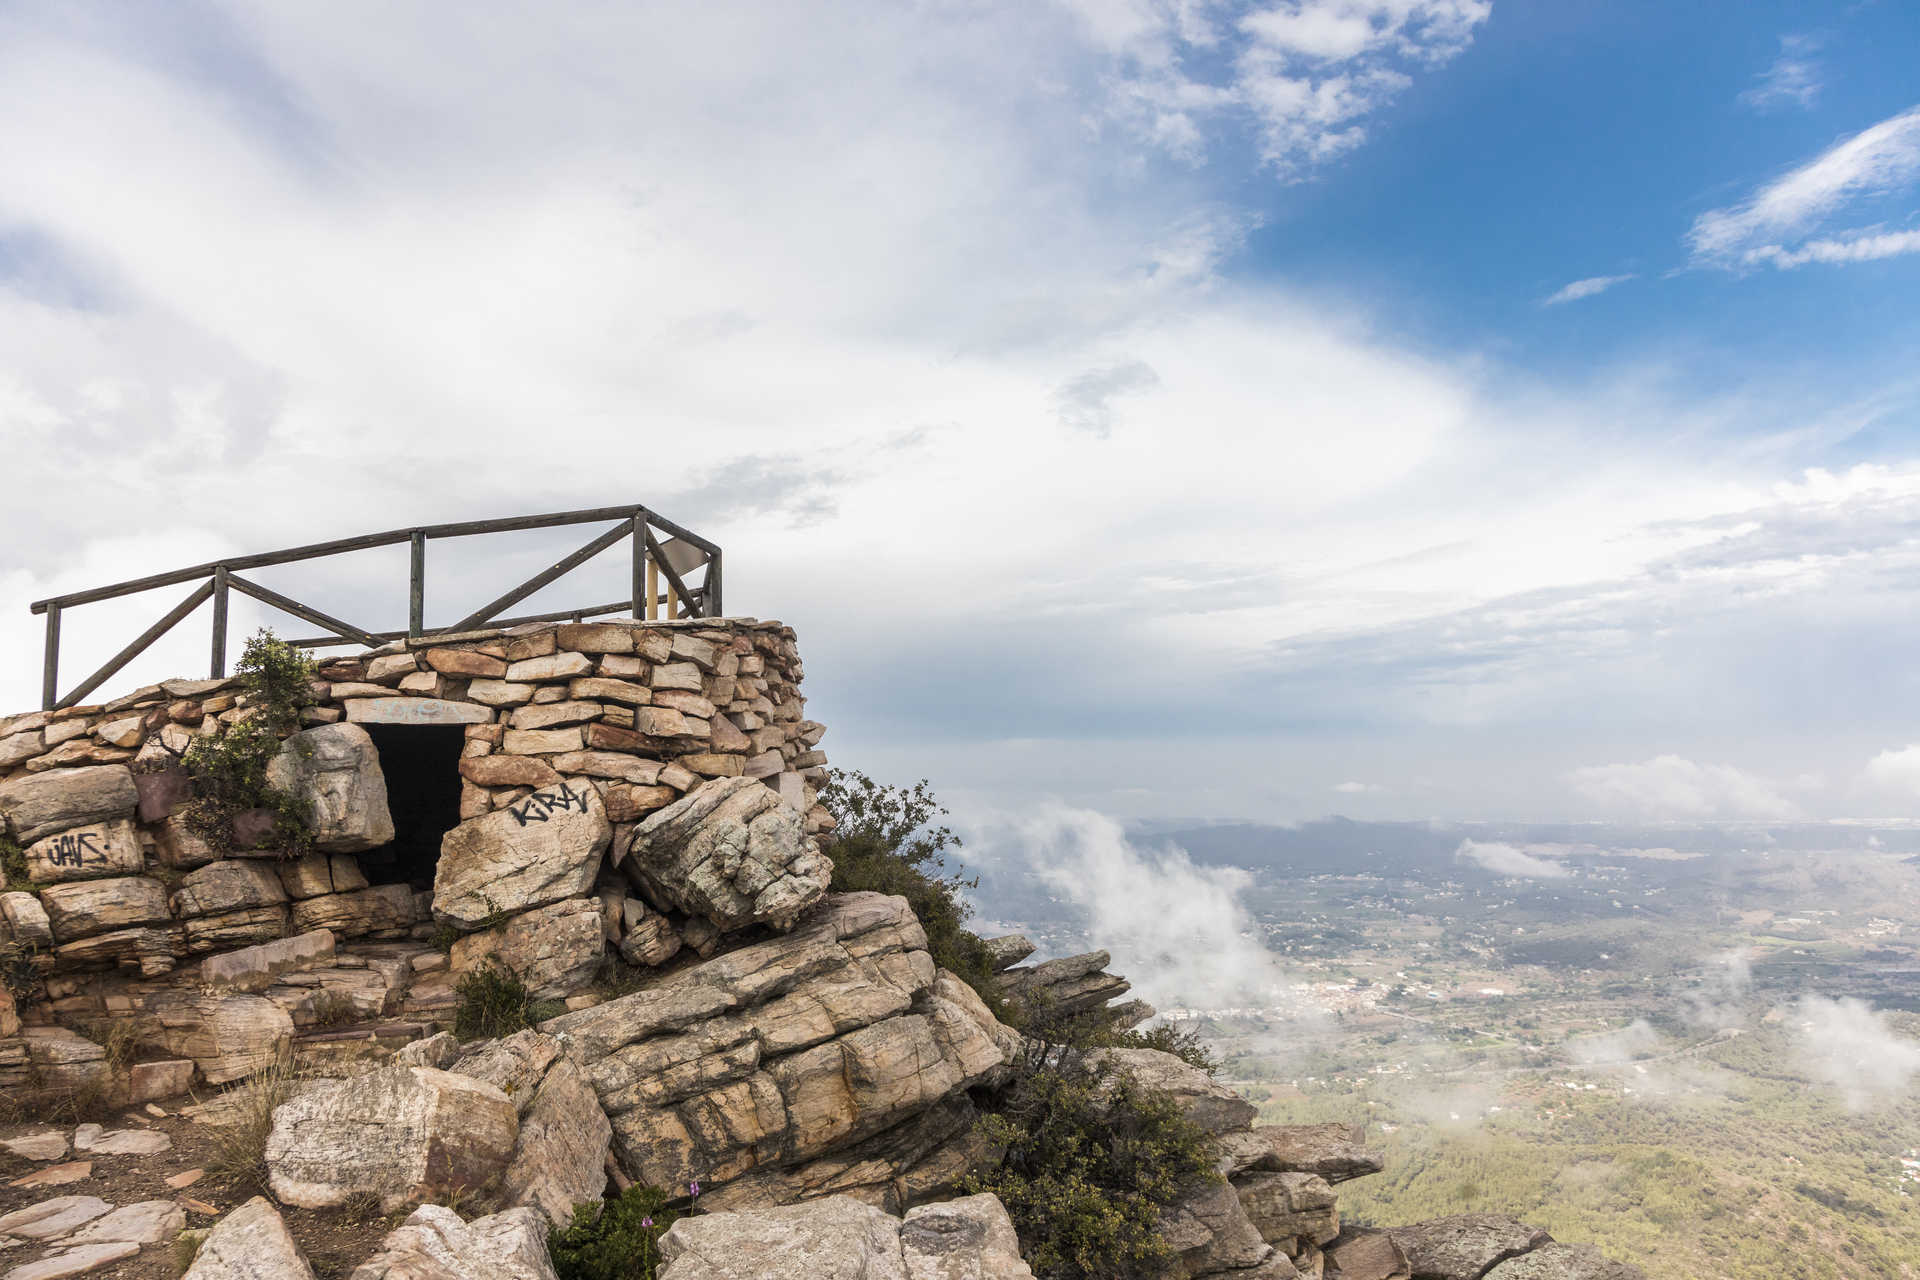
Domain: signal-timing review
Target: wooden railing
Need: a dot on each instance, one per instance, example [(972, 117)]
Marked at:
[(675, 559)]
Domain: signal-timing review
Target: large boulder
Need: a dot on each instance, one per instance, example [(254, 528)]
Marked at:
[(1361, 1253), (334, 770), (1208, 1231), (1464, 1246), (232, 884), (731, 851), (382, 911), (434, 1244), (403, 1133), (1289, 1206), (555, 949), (780, 1052), (560, 1159), (251, 1243), (541, 849), (966, 1239), (1065, 987), (1337, 1152), (1205, 1101), (833, 1239), (41, 804), (1565, 1262)]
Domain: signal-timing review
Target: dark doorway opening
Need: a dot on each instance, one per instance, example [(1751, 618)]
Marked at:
[(422, 766)]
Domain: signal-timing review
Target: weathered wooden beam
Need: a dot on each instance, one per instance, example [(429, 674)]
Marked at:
[(417, 585), (673, 579), (217, 667), (50, 667), (480, 616), (558, 615), (286, 604), (195, 598)]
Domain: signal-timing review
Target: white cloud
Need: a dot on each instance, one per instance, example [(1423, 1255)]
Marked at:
[(1771, 224), (1792, 81), (1308, 73), (1357, 788), (1509, 860), (1854, 246), (1848, 1045), (1587, 288), (1671, 787)]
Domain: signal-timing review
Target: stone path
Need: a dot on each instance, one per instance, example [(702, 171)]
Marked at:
[(76, 1234)]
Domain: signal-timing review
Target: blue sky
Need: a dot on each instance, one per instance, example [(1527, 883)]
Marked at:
[(1200, 408)]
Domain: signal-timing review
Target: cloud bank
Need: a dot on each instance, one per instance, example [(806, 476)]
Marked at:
[(1509, 860)]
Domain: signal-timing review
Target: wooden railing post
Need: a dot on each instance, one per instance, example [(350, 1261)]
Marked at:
[(710, 594), (50, 671), (217, 668), (653, 590), (640, 603), (417, 587)]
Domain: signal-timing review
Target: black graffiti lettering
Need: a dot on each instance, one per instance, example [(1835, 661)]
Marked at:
[(71, 849), (542, 805)]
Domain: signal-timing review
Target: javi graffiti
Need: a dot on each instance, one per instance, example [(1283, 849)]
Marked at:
[(74, 848), (542, 805)]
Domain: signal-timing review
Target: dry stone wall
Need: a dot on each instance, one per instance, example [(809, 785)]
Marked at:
[(564, 739)]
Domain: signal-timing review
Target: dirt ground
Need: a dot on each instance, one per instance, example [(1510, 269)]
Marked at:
[(335, 1241)]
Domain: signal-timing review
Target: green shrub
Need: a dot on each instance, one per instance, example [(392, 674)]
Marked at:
[(885, 840), (13, 868), (493, 1002), (1090, 1160), (229, 767), (622, 1243)]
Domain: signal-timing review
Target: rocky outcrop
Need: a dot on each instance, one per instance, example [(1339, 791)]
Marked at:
[(333, 772), (1565, 1262), (1464, 1246), (61, 799), (434, 1244), (839, 1238), (402, 1133), (730, 851), (229, 1037), (555, 950), (560, 1156), (782, 1051), (1203, 1100)]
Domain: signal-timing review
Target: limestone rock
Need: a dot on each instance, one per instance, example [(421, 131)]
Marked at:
[(1067, 986), (383, 911), (85, 853), (1207, 1103), (335, 770), (560, 1159), (513, 1064), (120, 1142), (1334, 1151), (966, 1239), (1008, 950), (555, 949), (1463, 1246), (1365, 1254), (1285, 1206), (403, 1133), (730, 850), (57, 800), (433, 1244), (53, 1218), (1565, 1262), (75, 1261), (437, 1050), (149, 1080), (251, 1243), (538, 850), (232, 884), (321, 873), (23, 921), (833, 1239), (82, 908), (146, 1222), (647, 937), (36, 1146), (228, 1037), (1209, 1231), (255, 968)]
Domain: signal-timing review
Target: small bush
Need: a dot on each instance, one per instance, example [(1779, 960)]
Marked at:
[(186, 1247), (885, 840), (493, 1002), (13, 868), (229, 767), (18, 972), (237, 1152), (621, 1243), (1090, 1161)]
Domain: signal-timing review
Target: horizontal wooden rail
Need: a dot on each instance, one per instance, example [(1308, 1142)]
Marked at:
[(673, 559)]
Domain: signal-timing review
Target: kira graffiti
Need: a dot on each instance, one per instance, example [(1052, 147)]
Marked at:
[(542, 805), (73, 849)]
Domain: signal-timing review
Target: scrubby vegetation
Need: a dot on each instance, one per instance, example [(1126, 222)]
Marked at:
[(1090, 1161), (238, 1154), (617, 1239), (889, 840), (13, 868), (493, 1002), (229, 767)]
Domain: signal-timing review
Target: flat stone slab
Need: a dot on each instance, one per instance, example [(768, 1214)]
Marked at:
[(121, 1142), (55, 1175), (148, 1222), (36, 1146), (51, 1219), (415, 711), (76, 1261)]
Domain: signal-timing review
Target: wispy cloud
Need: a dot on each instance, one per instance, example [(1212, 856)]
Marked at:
[(1792, 81), (1584, 289), (1773, 226), (1847, 1044), (1509, 860), (1306, 73), (1672, 787)]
